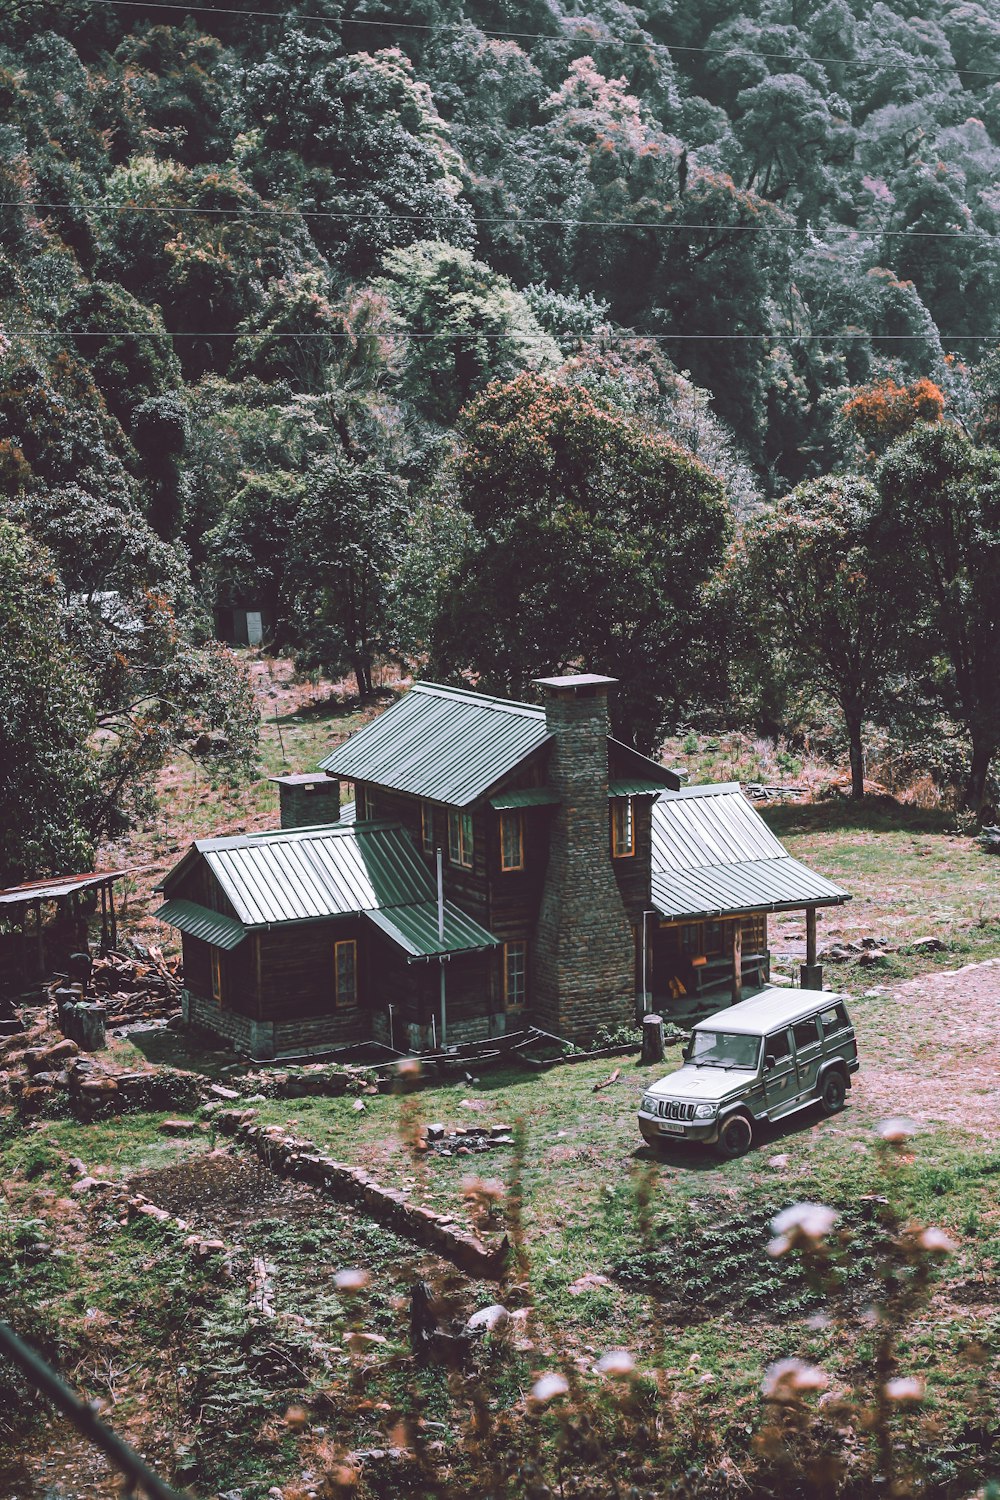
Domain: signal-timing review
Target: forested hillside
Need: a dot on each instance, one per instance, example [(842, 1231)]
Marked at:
[(496, 338)]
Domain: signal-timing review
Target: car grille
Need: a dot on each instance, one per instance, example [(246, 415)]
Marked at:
[(672, 1109)]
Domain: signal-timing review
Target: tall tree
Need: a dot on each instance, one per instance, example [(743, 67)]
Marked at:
[(594, 537), (804, 571), (48, 781), (938, 528)]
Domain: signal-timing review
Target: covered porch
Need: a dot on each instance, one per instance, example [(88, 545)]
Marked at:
[(717, 872)]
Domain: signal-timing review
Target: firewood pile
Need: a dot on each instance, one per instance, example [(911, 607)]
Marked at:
[(137, 986)]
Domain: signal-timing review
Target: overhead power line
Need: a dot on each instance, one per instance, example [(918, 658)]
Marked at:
[(609, 337), (838, 231), (526, 36)]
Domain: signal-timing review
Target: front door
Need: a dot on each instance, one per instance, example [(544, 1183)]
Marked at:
[(781, 1086)]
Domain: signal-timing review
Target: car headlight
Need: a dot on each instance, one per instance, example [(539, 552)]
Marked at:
[(648, 1104), (705, 1111)]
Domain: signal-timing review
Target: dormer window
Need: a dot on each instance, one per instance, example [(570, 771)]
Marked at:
[(622, 828), (427, 827), (512, 840), (460, 839)]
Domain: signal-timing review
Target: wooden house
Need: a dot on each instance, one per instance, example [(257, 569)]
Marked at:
[(502, 863)]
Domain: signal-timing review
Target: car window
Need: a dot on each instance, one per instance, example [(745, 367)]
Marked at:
[(806, 1033), (834, 1019), (778, 1046)]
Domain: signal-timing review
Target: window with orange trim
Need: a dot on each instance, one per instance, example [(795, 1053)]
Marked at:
[(345, 973), (622, 828), (515, 974), (512, 840), (218, 991)]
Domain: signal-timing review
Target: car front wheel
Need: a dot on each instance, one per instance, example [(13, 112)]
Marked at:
[(833, 1093), (735, 1137)]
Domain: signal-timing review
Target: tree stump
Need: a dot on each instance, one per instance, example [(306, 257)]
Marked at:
[(652, 1039)]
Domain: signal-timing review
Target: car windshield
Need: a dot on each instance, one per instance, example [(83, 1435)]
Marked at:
[(723, 1049)]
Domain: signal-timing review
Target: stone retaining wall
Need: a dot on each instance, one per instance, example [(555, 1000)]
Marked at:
[(293, 1157)]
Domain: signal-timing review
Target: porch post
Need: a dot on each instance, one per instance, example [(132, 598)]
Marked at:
[(737, 962), (811, 973)]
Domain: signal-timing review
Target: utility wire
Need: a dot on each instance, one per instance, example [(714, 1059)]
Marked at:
[(528, 36), (837, 231), (465, 333)]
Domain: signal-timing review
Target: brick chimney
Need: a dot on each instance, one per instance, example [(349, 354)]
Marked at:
[(308, 799), (583, 970)]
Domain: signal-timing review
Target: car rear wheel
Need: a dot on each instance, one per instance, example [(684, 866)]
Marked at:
[(833, 1093), (735, 1137)]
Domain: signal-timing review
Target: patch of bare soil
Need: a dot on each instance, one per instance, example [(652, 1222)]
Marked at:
[(227, 1193), (939, 1053)]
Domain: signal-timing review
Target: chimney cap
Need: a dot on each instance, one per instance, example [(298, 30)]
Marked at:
[(304, 778), (584, 684)]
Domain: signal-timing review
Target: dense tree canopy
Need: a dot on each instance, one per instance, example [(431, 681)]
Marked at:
[(260, 271)]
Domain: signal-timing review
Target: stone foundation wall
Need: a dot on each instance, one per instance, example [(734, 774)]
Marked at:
[(266, 1039)]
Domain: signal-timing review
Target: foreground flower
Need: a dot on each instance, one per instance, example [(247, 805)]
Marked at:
[(617, 1364), (548, 1388), (804, 1226), (935, 1241), (351, 1280), (905, 1389), (897, 1130), (790, 1379)]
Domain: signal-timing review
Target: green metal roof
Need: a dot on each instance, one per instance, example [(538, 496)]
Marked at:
[(336, 869), (415, 930), (198, 921), (712, 853), (525, 796), (443, 743)]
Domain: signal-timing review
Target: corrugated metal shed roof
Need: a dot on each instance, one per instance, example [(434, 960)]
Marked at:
[(415, 930), (443, 743), (198, 921), (299, 874), (712, 854), (52, 890)]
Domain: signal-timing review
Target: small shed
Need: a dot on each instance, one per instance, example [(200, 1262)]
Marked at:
[(31, 947)]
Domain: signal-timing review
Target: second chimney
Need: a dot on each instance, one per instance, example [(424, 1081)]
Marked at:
[(308, 799)]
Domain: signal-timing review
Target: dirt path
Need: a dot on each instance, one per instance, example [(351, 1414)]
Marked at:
[(935, 1049)]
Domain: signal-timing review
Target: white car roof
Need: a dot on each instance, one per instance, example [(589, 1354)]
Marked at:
[(771, 1008)]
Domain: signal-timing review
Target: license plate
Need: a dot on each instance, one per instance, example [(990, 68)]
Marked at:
[(673, 1127)]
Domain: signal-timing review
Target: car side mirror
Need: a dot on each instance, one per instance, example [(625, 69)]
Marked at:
[(687, 1051), (770, 1061)]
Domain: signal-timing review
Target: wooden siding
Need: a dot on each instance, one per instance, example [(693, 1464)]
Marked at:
[(634, 872)]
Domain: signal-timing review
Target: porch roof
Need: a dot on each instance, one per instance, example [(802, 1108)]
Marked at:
[(713, 854), (415, 930)]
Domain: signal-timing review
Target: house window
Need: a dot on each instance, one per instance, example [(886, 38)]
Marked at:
[(460, 839), (512, 841), (216, 962), (345, 973), (714, 935), (622, 828), (427, 827), (515, 966)]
